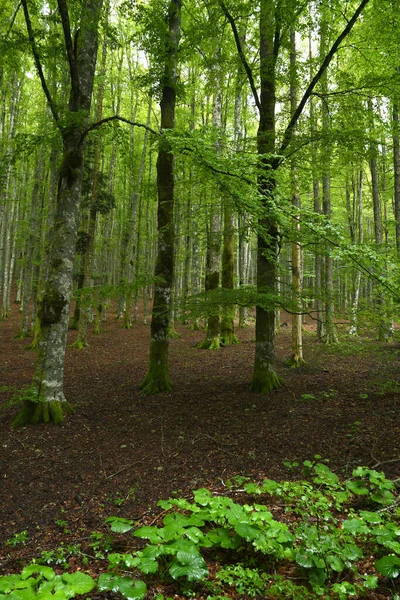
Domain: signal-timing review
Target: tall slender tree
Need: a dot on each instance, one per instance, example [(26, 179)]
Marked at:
[(157, 378), (49, 402)]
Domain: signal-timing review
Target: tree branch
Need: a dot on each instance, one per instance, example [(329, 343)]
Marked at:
[(13, 20), (241, 54), (290, 128), (73, 67), (118, 118), (38, 64)]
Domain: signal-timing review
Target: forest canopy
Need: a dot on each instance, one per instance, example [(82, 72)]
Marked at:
[(197, 160)]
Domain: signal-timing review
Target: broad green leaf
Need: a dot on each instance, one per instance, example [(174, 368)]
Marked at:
[(356, 526), (81, 583), (304, 560), (383, 497), (119, 524), (10, 582), (351, 552), (319, 562), (107, 581), (128, 560), (389, 566), (357, 487), (137, 591), (147, 565), (189, 565), (224, 538), (150, 533), (248, 532), (25, 594), (202, 496), (47, 572), (335, 562), (370, 582), (370, 517)]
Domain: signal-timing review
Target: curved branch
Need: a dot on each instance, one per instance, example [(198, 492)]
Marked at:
[(290, 128), (241, 54), (13, 20), (118, 118), (38, 64), (73, 67)]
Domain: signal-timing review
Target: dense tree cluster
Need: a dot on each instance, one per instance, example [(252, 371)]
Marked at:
[(209, 156)]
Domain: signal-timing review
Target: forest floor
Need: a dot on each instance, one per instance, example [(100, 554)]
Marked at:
[(121, 451)]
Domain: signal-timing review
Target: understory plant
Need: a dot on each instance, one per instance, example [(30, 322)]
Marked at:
[(326, 529), (319, 536)]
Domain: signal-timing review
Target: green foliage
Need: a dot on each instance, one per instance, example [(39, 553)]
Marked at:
[(45, 586), (325, 536), (327, 529), (18, 538), (132, 590)]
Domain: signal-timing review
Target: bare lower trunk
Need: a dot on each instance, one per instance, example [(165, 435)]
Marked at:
[(46, 401), (157, 378)]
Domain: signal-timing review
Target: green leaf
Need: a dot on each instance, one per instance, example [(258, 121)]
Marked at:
[(356, 526), (47, 572), (357, 487), (248, 532), (224, 538), (370, 517), (81, 583), (370, 582), (133, 590), (202, 496), (11, 582), (304, 560), (389, 566), (335, 562), (383, 497), (150, 533), (147, 565), (190, 565), (351, 552), (137, 591), (25, 594), (107, 581), (119, 524)]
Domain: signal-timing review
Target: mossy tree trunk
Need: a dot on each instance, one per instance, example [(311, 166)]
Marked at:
[(264, 377), (228, 336), (396, 171), (326, 153), (296, 359), (157, 378), (46, 401), (212, 341)]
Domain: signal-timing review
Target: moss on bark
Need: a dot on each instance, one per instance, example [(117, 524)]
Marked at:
[(210, 343), (295, 362), (80, 343), (42, 412), (265, 381)]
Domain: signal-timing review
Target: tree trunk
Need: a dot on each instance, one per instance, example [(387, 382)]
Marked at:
[(384, 325), (264, 377), (296, 359), (212, 341), (157, 378), (396, 170), (46, 401)]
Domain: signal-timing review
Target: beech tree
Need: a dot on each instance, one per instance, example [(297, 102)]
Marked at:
[(274, 25), (157, 378), (47, 401)]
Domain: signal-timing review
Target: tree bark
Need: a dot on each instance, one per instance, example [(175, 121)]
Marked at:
[(264, 377), (157, 378), (46, 401)]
